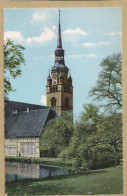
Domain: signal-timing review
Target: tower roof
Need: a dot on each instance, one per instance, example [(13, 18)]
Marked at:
[(59, 41), (59, 53)]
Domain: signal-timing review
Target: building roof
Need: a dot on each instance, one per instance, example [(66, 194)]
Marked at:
[(59, 41), (59, 66), (26, 122), (11, 106)]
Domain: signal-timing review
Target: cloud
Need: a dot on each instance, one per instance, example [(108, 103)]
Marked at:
[(91, 45), (39, 17), (83, 56), (115, 33), (45, 36), (51, 56), (43, 99), (91, 56), (74, 35), (54, 27), (77, 56), (75, 31), (14, 35)]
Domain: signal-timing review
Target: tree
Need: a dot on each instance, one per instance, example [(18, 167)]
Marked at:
[(13, 58), (90, 117), (109, 83), (96, 142), (56, 136)]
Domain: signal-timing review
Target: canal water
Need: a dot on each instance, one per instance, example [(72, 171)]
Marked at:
[(20, 171)]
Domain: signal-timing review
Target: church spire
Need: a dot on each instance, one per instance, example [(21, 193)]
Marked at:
[(59, 53), (59, 41)]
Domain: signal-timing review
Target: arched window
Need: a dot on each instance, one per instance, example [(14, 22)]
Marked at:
[(66, 102), (53, 102)]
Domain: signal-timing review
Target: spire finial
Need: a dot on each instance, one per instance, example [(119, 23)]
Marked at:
[(59, 16), (49, 72), (59, 42)]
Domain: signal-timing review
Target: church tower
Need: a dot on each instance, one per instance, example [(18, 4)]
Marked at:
[(59, 82)]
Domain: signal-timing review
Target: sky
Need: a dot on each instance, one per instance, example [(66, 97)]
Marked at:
[(88, 36)]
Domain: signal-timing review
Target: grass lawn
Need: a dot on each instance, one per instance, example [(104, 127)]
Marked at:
[(103, 181)]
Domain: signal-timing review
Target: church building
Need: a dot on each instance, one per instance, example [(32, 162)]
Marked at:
[(25, 123), (59, 82)]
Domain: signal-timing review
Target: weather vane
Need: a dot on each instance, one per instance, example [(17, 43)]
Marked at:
[(59, 13)]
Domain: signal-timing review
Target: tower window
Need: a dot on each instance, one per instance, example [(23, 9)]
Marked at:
[(67, 102), (53, 102)]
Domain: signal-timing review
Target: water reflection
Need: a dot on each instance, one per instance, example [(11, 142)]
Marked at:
[(19, 171)]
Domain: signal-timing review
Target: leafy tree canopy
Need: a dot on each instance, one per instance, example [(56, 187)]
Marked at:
[(13, 58), (90, 117), (96, 142), (56, 136), (109, 83)]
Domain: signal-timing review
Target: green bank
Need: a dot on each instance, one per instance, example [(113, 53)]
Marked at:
[(102, 181)]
